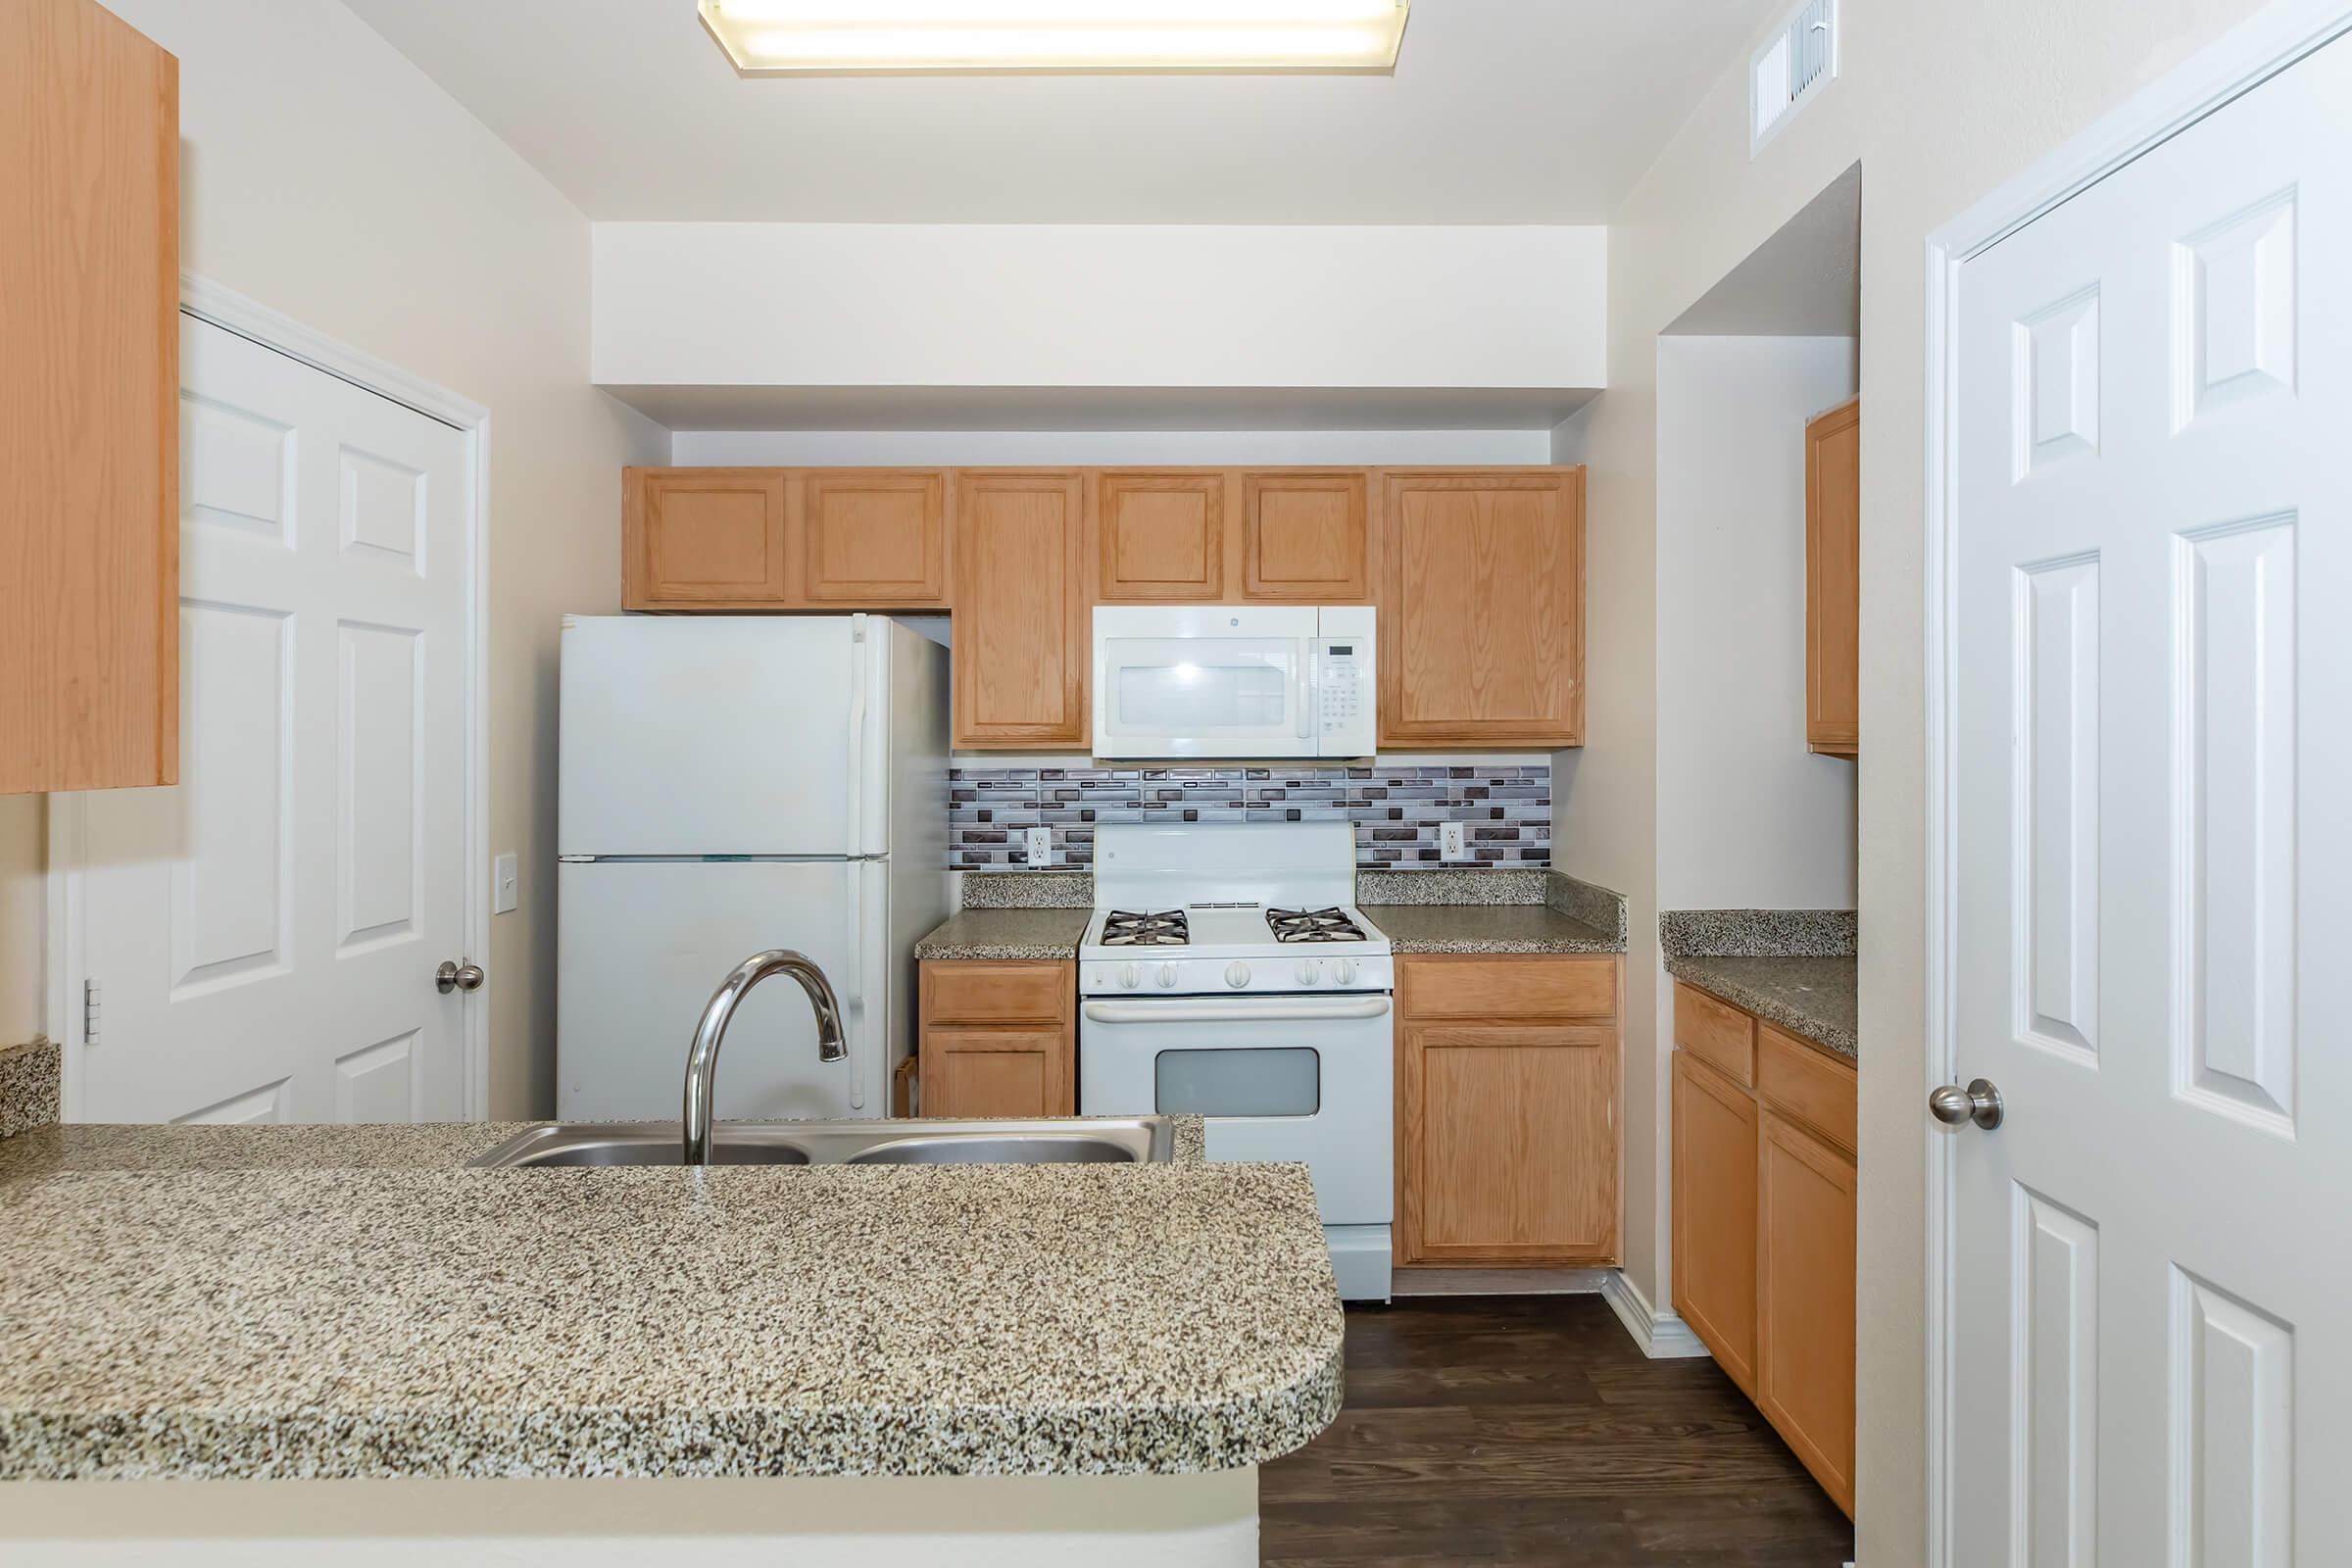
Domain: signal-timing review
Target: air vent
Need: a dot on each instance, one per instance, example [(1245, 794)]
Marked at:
[(1789, 66)]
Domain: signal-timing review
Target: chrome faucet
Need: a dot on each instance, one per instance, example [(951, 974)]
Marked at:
[(702, 1063)]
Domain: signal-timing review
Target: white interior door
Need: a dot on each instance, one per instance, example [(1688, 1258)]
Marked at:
[(2151, 1284), (263, 935)]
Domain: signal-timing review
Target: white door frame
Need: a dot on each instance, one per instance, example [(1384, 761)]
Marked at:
[(2236, 63), (233, 312)]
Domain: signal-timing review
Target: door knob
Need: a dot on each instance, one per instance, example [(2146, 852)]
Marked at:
[(454, 977), (1979, 1102)]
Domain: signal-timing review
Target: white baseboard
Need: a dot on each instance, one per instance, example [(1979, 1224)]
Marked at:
[(1661, 1335)]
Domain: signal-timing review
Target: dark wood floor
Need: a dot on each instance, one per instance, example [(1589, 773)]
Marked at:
[(1527, 1430)]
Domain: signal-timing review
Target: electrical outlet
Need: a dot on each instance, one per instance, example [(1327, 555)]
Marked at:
[(506, 884), (1041, 846), (1453, 841)]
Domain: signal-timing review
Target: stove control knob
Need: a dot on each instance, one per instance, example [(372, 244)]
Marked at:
[(1236, 975), (1343, 974), (1167, 977), (1310, 972), (1130, 976)]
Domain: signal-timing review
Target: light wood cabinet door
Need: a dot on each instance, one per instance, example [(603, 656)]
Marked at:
[(704, 539), (874, 539), (89, 400), (1306, 538), (1510, 1146), (1715, 1214), (1805, 1300), (1834, 581), (1482, 608), (1021, 646), (1160, 537), (997, 1072)]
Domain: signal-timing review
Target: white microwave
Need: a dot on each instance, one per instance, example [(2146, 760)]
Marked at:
[(1234, 680)]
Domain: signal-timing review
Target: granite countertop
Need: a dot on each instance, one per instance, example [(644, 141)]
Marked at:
[(1809, 997), (1006, 933), (1440, 928), (276, 1302)]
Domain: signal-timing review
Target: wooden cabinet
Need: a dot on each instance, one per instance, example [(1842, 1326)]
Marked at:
[(1160, 537), (1805, 1299), (1834, 581), (1715, 1214), (704, 539), (1306, 537), (874, 539), (784, 539), (1764, 1182), (1482, 608), (999, 1039), (1506, 1074), (1022, 646), (89, 400)]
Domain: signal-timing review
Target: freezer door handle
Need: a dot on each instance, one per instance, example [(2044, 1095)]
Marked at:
[(1221, 1011)]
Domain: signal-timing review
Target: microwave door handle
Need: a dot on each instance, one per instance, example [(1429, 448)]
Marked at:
[(1309, 688)]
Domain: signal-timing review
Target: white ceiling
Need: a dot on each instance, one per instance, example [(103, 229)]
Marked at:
[(1501, 112)]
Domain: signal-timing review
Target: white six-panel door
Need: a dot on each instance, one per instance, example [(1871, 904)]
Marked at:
[(2152, 1262), (262, 937)]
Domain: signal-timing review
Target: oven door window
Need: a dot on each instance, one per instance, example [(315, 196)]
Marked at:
[(1269, 1082)]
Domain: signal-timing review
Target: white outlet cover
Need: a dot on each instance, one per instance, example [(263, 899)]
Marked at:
[(506, 883), (1041, 846), (1453, 841)]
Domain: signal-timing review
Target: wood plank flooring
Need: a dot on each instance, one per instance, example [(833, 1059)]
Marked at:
[(1522, 1430)]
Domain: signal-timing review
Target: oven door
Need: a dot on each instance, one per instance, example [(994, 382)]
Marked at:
[(1275, 1078), (1220, 680)]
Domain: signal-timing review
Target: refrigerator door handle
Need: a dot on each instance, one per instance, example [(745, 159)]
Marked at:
[(861, 1016), (860, 657)]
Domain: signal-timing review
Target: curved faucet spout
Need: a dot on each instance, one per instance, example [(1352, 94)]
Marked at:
[(702, 1063)]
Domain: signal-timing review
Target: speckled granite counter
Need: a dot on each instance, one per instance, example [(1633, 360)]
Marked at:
[(1438, 928), (29, 1085), (1006, 933), (1810, 996), (320, 1303)]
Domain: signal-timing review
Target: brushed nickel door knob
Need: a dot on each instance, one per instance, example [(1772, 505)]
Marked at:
[(456, 976), (1979, 1103)]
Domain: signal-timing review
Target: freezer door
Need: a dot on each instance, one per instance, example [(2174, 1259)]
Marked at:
[(641, 946), (714, 735)]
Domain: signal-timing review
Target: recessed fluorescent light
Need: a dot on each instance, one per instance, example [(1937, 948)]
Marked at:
[(826, 37)]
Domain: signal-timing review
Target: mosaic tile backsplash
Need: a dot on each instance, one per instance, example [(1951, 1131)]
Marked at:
[(1397, 811)]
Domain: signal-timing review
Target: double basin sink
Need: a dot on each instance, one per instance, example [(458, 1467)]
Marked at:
[(1094, 1142)]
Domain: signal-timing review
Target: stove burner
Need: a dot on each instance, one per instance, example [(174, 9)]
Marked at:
[(1124, 928), (1313, 925)]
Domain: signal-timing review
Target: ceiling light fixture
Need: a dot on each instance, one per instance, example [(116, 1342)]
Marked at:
[(876, 38)]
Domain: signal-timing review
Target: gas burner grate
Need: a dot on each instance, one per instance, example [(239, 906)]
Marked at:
[(1163, 928), (1313, 925)]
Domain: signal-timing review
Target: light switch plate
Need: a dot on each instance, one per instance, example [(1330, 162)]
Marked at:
[(1453, 841), (1041, 846), (506, 879)]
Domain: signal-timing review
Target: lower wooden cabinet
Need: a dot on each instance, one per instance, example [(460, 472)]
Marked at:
[(1764, 1183), (999, 1039), (1715, 1214), (1507, 1134), (1805, 1299)]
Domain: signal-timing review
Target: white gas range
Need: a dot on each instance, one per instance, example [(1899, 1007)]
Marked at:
[(1228, 973)]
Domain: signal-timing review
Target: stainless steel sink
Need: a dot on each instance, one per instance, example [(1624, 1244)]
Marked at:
[(1092, 1141)]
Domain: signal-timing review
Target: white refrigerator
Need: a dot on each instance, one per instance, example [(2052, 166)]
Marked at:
[(732, 784)]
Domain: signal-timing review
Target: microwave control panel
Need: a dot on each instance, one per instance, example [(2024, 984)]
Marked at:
[(1344, 673)]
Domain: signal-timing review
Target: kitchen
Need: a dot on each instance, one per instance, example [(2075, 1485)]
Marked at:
[(1305, 786)]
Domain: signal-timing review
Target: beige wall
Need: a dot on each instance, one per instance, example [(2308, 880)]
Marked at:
[(23, 826), (326, 177), (1940, 104)]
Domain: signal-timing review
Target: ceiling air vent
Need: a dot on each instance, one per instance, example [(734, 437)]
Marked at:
[(1789, 66)]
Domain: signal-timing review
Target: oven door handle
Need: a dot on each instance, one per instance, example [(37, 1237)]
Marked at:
[(1218, 1010)]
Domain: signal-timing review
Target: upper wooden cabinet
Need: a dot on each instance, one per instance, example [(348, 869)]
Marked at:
[(1482, 608), (1506, 1083), (1306, 538), (1834, 581), (1022, 644), (89, 400), (784, 539), (874, 539), (704, 539), (1160, 537)]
